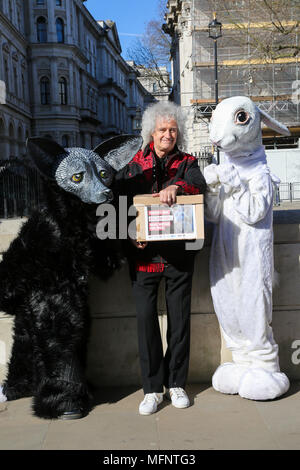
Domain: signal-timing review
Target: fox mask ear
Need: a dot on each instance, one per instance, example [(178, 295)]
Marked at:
[(45, 154), (273, 124), (118, 151)]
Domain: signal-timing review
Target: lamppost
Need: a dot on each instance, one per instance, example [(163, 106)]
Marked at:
[(215, 32)]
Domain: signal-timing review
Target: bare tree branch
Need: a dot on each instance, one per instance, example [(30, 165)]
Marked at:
[(279, 26), (152, 51)]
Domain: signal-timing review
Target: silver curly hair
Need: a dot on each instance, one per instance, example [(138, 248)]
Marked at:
[(165, 110)]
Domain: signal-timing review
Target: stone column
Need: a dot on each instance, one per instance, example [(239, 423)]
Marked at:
[(70, 17), (36, 91), (70, 89), (54, 84), (87, 140), (51, 22)]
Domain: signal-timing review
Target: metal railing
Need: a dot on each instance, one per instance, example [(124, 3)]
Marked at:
[(287, 192), (205, 157), (20, 189)]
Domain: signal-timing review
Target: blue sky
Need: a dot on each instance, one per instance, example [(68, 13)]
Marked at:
[(130, 16)]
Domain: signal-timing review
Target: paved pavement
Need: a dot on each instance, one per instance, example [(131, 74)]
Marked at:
[(214, 421)]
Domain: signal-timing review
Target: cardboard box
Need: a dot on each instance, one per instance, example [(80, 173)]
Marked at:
[(157, 222)]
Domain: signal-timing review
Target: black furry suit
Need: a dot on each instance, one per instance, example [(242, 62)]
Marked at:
[(47, 292), (45, 272)]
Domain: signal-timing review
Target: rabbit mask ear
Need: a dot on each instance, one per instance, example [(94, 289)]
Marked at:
[(273, 124)]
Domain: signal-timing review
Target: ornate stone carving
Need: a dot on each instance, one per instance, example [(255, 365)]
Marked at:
[(6, 47)]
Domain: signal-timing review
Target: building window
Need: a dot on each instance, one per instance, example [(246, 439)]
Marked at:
[(154, 87), (60, 30), (63, 91), (41, 29), (65, 141), (40, 2), (45, 90), (58, 3)]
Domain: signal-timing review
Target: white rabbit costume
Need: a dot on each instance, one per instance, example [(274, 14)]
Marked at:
[(239, 201)]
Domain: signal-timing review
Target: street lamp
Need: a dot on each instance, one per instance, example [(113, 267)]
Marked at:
[(215, 32)]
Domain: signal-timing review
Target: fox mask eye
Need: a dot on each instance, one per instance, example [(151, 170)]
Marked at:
[(77, 177)]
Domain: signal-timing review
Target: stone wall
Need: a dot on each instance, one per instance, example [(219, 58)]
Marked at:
[(113, 352)]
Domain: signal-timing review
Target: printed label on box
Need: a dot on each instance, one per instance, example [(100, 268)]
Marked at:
[(176, 222)]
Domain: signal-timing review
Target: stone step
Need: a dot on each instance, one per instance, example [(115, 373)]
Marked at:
[(6, 339), (9, 229)]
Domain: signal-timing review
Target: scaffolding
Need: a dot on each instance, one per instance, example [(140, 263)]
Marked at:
[(244, 66)]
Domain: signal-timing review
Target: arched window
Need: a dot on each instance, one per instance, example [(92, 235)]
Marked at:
[(41, 27), (45, 90), (63, 91), (65, 141), (60, 30)]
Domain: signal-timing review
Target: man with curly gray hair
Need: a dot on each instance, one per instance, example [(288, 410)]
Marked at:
[(162, 110), (162, 169)]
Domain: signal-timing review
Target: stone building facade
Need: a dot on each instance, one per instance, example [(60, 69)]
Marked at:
[(156, 82), (240, 70), (62, 76)]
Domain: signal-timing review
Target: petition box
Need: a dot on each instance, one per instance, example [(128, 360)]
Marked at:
[(182, 221)]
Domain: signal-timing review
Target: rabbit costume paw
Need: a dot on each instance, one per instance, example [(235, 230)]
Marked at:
[(229, 177), (241, 260), (211, 177)]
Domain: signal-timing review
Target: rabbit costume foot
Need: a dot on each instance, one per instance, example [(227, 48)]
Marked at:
[(261, 384), (228, 376)]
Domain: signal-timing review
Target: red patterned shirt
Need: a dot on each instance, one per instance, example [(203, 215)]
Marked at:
[(146, 174)]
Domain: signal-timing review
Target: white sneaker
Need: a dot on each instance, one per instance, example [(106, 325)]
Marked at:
[(150, 402), (179, 397)]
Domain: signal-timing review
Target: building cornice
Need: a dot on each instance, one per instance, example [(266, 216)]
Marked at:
[(110, 84), (49, 47), (15, 31)]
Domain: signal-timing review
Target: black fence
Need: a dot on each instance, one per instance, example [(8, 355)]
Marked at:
[(289, 192), (20, 189), (205, 157)]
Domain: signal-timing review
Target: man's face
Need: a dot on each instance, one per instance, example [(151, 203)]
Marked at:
[(165, 136)]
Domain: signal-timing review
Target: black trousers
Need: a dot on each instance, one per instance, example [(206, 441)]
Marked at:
[(157, 370)]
